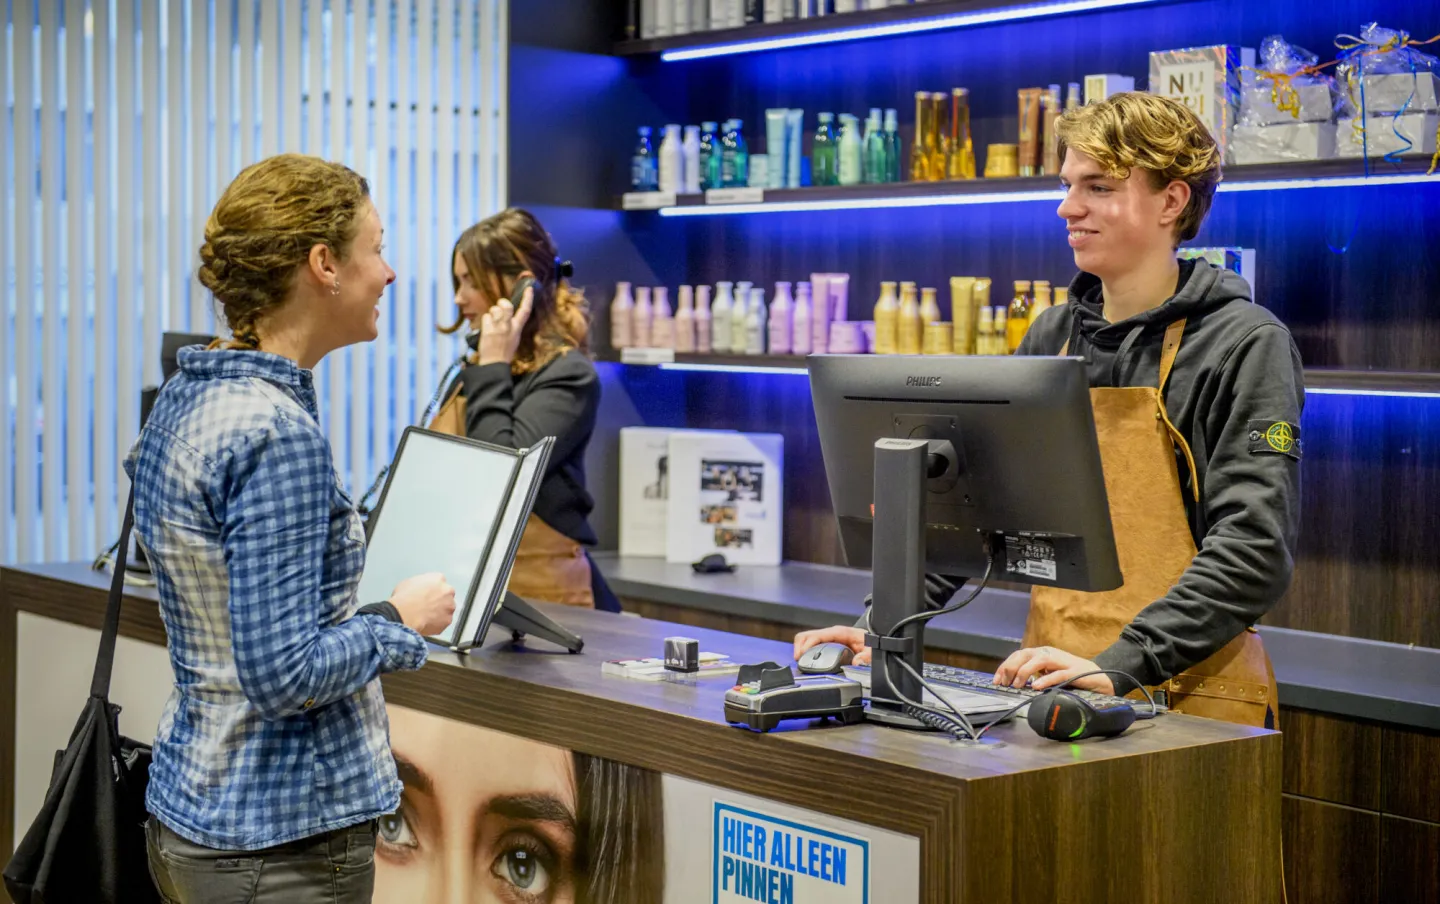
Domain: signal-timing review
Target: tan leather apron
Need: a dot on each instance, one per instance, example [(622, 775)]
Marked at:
[(549, 566), (1152, 536)]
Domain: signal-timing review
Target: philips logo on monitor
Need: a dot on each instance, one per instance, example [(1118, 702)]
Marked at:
[(922, 381)]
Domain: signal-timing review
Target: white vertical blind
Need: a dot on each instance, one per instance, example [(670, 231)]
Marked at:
[(142, 112), (27, 507)]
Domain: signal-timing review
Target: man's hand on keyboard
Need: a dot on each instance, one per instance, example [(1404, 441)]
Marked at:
[(854, 638), (1049, 667)]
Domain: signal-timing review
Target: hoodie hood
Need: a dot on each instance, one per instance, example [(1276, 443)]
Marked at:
[(1201, 288)]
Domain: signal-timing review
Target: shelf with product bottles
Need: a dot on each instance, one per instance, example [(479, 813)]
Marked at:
[(895, 18), (1257, 177)]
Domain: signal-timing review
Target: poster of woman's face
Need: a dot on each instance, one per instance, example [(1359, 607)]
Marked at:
[(490, 818)]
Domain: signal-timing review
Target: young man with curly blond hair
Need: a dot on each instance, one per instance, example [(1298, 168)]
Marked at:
[(1197, 395)]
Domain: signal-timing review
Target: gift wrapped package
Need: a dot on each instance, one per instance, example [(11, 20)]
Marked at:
[(1285, 88), (1413, 92), (1205, 79), (1283, 142), (1381, 135)]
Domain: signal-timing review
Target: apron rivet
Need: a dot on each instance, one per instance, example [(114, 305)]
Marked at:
[(1200, 686)]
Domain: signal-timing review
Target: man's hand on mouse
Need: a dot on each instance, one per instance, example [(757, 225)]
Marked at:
[(1049, 667), (854, 638)]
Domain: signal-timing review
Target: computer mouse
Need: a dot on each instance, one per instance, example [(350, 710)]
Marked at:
[(825, 659)]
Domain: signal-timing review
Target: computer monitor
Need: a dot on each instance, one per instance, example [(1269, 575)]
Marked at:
[(951, 457)]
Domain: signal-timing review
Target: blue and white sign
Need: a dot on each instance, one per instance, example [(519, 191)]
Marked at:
[(779, 861)]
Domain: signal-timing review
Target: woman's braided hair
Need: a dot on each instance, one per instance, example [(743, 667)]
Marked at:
[(263, 227)]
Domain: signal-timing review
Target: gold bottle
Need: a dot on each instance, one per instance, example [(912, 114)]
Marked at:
[(998, 334), (929, 307), (961, 161), (939, 339), (924, 139), (982, 302), (1062, 295), (1017, 319), (940, 149), (887, 312), (962, 312), (1042, 299), (984, 331), (909, 332)]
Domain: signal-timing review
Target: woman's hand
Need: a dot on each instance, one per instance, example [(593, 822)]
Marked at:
[(501, 328)]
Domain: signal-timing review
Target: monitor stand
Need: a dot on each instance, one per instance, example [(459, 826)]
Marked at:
[(898, 576), (521, 619)]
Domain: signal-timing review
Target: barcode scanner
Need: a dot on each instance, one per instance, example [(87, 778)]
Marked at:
[(1062, 716)]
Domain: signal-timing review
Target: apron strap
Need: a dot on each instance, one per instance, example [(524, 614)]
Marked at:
[(1173, 334), (1168, 352)]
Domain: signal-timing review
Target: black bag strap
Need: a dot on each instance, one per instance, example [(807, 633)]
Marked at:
[(105, 658)]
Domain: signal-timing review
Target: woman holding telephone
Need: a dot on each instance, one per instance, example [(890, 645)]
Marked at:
[(528, 377)]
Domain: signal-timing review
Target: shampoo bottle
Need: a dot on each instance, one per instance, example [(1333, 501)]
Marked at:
[(640, 329), (800, 330), (850, 150), (819, 313), (755, 323), (739, 313), (690, 152), (780, 323), (962, 313), (824, 158), (887, 313), (622, 310), (672, 161), (685, 321), (643, 173), (929, 308), (702, 320), (984, 331), (908, 330), (708, 157), (720, 317), (892, 146)]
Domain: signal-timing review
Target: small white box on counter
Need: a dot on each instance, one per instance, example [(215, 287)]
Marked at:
[(1257, 104), (1379, 137), (1283, 143)]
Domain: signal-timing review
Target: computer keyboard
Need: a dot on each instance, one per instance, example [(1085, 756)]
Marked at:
[(970, 679), (946, 676)]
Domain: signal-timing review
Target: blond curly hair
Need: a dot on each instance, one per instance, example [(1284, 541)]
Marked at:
[(1161, 137), (263, 227)]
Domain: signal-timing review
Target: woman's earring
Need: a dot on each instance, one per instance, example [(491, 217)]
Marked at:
[(336, 289)]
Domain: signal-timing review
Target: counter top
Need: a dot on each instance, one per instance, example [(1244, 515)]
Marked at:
[(1343, 676)]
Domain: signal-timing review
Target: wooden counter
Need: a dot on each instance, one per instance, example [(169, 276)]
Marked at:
[(1179, 809)]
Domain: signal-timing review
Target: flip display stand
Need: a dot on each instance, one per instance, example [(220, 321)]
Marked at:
[(523, 619)]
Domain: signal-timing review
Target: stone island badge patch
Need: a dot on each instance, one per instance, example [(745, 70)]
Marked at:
[(1275, 438)]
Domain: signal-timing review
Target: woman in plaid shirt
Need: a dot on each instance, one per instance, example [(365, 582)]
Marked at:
[(272, 761)]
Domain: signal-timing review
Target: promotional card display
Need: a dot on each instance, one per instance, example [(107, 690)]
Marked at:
[(423, 525), (726, 496), (1205, 79), (644, 489), (1237, 260)]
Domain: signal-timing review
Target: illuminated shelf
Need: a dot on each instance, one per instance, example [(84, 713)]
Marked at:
[(898, 195), (1318, 380), (911, 18)]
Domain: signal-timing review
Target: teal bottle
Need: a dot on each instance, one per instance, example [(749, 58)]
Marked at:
[(892, 146), (876, 168), (709, 157), (734, 156), (825, 157), (644, 167)]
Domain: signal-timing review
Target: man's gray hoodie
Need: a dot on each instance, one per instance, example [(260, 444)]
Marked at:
[(1237, 376)]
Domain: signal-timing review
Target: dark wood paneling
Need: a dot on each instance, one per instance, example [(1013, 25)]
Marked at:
[(1331, 758), (1410, 767), (1409, 861), (1332, 853)]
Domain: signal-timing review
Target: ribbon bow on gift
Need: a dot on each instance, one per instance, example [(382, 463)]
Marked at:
[(1394, 55)]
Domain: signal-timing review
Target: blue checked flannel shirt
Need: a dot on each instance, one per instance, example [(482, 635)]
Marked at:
[(275, 729)]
